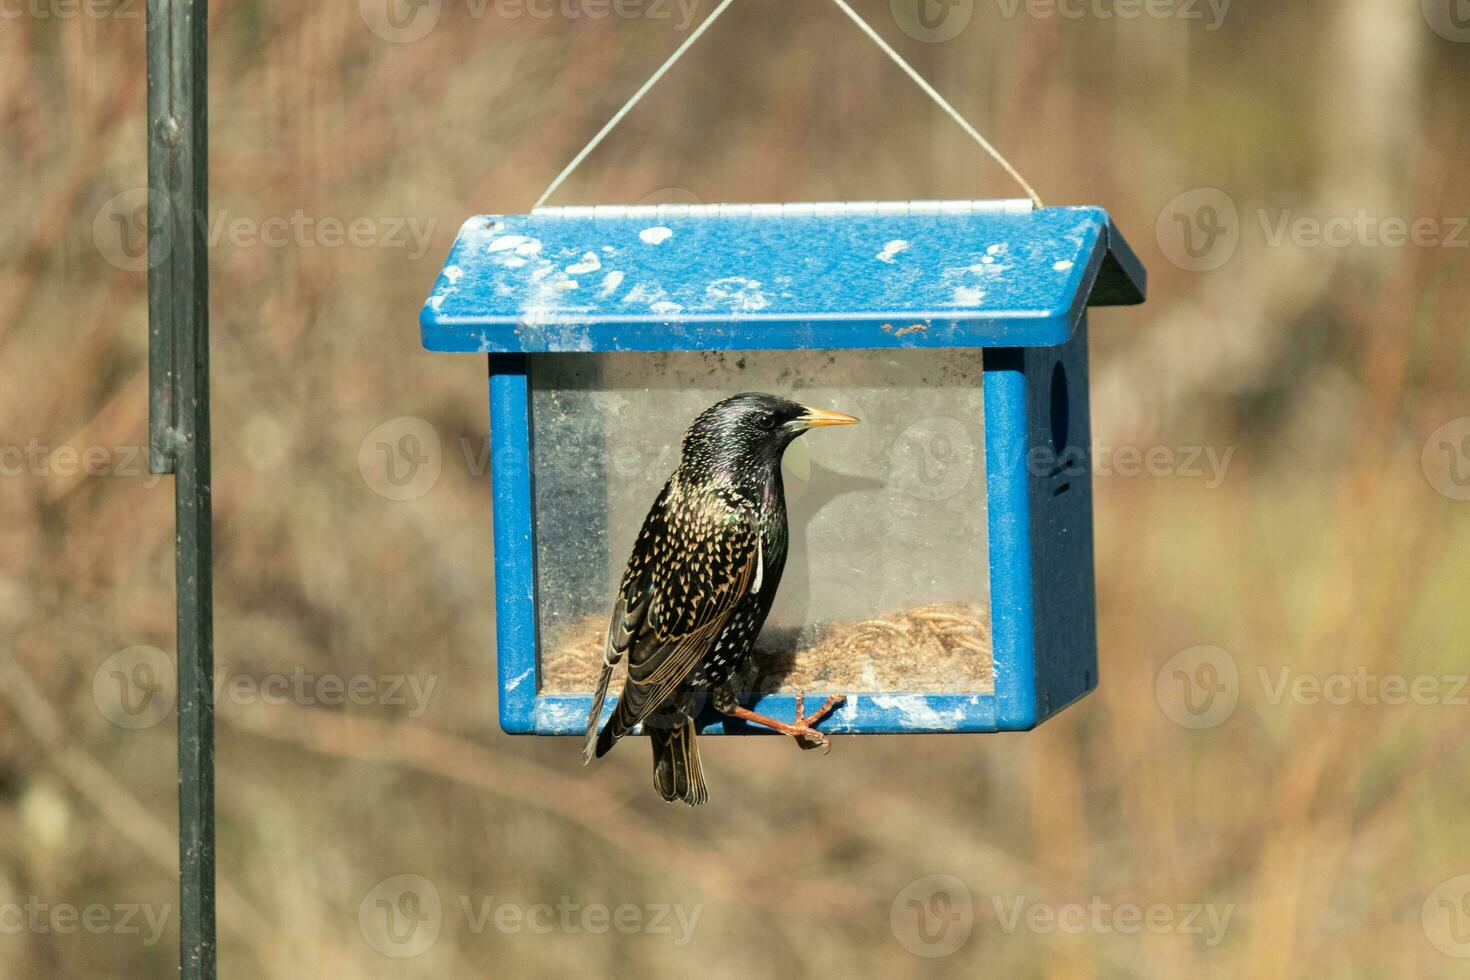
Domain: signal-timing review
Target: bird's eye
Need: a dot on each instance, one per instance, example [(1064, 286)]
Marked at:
[(767, 422)]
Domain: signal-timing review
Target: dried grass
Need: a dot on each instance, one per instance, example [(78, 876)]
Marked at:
[(941, 647)]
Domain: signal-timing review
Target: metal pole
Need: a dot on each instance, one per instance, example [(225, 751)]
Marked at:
[(178, 375)]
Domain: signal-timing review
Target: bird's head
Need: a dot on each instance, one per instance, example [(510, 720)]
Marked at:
[(745, 435)]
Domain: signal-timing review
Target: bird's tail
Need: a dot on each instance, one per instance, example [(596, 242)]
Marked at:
[(676, 769), (589, 744)]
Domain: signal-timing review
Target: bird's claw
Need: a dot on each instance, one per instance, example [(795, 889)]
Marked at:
[(807, 737)]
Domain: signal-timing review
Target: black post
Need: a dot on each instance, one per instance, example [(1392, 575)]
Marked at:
[(178, 369)]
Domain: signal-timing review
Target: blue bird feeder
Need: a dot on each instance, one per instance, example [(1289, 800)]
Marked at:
[(941, 569)]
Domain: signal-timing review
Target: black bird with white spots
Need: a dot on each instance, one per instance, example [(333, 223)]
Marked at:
[(699, 584)]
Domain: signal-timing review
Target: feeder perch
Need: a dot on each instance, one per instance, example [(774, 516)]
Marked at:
[(941, 568)]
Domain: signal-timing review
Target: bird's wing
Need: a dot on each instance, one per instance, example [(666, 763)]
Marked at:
[(629, 613), (629, 616), (687, 575)]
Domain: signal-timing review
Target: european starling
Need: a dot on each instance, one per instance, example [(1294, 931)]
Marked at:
[(702, 577)]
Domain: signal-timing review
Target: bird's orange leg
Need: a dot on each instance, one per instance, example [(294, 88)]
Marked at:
[(807, 737)]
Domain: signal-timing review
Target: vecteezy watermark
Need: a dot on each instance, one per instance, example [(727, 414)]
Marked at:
[(933, 916), (1209, 13), (933, 459), (1362, 686), (301, 230), (1361, 229), (122, 233), (1201, 687), (402, 458), (138, 688), (405, 21), (306, 689), (38, 459), (1208, 463), (672, 919), (1101, 916), (1198, 687), (96, 919), (938, 457), (401, 21), (403, 916), (932, 21), (1446, 459), (1450, 19), (1446, 917), (1200, 230), (121, 230), (71, 9)]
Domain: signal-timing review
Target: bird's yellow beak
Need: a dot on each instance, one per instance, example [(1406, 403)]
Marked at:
[(815, 417)]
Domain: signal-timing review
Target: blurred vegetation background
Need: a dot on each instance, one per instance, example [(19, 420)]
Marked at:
[(1335, 542)]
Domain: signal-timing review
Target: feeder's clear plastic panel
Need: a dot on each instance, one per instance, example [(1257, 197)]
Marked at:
[(886, 587)]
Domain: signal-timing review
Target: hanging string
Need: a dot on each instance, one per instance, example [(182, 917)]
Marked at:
[(939, 100), (628, 106), (866, 29)]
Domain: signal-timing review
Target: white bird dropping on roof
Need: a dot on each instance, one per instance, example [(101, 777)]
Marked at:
[(611, 282), (519, 243), (590, 263), (891, 250)]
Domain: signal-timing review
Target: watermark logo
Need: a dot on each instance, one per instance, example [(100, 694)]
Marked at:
[(1450, 19), (1446, 917), (631, 459), (1199, 687), (401, 21), (138, 688), (1102, 917), (305, 231), (401, 459), (932, 21), (308, 690), (67, 461), (135, 688), (933, 916), (933, 459), (1362, 687), (1361, 229), (72, 9), (401, 916), (674, 920), (134, 230), (406, 21), (1206, 463), (121, 229), (1446, 459), (1210, 13), (1199, 230), (96, 919)]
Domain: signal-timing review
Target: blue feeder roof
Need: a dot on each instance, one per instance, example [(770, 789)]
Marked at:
[(760, 277)]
